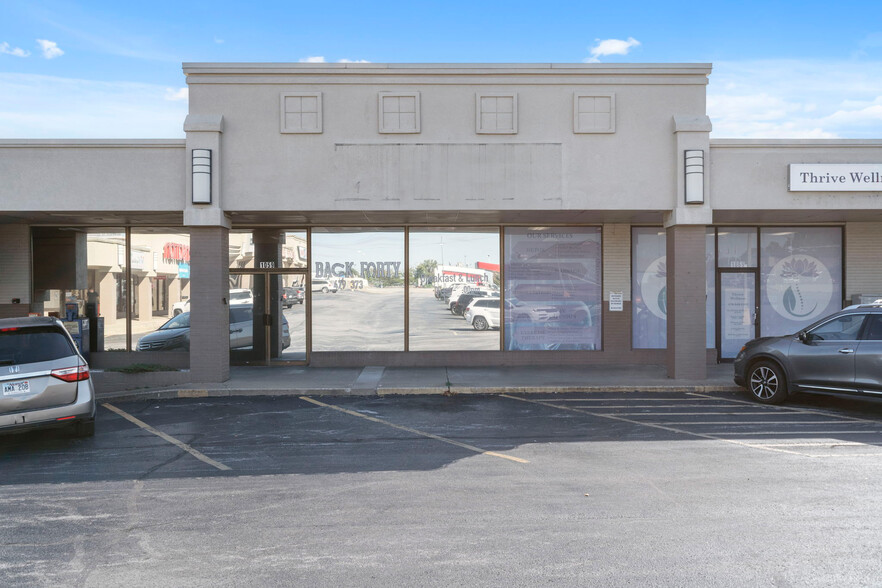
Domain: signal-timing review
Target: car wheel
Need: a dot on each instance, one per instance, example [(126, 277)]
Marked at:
[(84, 429), (325, 290), (480, 323), (767, 383), (177, 311)]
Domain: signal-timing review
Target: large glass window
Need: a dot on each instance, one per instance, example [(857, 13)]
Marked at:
[(449, 269), (160, 269), (649, 281), (552, 288), (710, 275), (800, 275), (357, 289)]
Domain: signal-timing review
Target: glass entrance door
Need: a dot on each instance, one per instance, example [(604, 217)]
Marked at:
[(267, 318), (736, 311)]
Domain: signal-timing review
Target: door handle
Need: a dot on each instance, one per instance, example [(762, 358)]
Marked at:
[(235, 330), (846, 350)]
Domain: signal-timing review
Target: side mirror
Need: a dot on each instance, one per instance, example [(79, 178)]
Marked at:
[(805, 337)]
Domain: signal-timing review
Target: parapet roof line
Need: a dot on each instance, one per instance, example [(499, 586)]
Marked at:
[(441, 68)]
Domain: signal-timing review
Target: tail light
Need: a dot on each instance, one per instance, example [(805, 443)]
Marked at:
[(74, 374)]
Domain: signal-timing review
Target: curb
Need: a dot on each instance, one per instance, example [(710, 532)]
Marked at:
[(424, 391)]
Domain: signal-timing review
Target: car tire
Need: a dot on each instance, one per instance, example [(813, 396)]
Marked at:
[(178, 311), (766, 382), (84, 429), (480, 323), (325, 290)]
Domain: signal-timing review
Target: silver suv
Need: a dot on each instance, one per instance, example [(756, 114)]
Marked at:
[(44, 381), (839, 354)]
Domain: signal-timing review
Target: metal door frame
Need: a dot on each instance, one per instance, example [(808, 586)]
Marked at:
[(307, 304), (719, 306)]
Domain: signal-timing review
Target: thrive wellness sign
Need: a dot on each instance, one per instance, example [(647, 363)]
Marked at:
[(836, 177)]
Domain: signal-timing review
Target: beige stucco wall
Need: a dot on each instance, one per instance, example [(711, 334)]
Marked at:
[(82, 175), (749, 181), (447, 165)]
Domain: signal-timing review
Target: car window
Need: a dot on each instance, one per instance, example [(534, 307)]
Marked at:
[(179, 322), (874, 328), (30, 345), (240, 315), (239, 295), (843, 328)]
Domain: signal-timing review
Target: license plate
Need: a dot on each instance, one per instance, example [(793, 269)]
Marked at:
[(13, 388)]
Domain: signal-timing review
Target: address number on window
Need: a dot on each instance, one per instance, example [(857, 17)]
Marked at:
[(267, 264)]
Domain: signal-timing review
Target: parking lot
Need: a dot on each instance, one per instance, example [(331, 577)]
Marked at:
[(607, 489)]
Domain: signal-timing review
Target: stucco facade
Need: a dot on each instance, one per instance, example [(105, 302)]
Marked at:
[(583, 157)]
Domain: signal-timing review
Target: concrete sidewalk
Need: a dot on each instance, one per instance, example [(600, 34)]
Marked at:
[(381, 380)]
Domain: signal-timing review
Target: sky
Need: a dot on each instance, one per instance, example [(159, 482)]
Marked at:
[(113, 69)]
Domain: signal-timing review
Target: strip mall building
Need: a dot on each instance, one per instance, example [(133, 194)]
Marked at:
[(590, 195)]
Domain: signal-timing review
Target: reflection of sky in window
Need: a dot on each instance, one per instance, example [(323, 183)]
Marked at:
[(451, 248)]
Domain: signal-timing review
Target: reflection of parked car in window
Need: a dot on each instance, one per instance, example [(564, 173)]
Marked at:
[(323, 286), (241, 296), (534, 312), (483, 313), (292, 295), (573, 312), (463, 301), (182, 306), (174, 335), (45, 381)]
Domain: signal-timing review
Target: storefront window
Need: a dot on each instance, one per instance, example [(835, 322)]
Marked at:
[(160, 269), (101, 297), (552, 288), (447, 267), (288, 248), (737, 247), (649, 280), (800, 276), (357, 289)]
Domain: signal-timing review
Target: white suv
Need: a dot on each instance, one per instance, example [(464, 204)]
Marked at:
[(483, 313)]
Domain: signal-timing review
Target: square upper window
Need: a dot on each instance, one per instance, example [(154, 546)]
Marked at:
[(594, 113), (399, 112), (302, 112), (496, 114)]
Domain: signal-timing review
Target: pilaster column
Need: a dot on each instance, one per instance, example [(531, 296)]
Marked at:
[(209, 254), (686, 225)]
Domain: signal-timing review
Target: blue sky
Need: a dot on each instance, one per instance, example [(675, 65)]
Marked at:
[(113, 69)]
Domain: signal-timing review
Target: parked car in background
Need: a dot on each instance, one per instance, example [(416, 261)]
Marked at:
[(533, 312), (241, 296), (464, 300), (839, 354), (179, 307), (483, 313), (323, 286), (174, 335), (292, 295), (44, 381)]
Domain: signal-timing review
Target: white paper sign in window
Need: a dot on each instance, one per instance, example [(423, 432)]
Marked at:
[(302, 112), (496, 114), (594, 113), (399, 112)]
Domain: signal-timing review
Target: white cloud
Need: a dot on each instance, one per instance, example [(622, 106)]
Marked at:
[(353, 61), (42, 107), (219, 41), (177, 94), (611, 47), (17, 51), (50, 49), (796, 99)]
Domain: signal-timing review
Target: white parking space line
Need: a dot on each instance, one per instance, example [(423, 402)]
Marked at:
[(771, 433), (708, 423), (616, 417), (414, 431), (197, 454), (792, 409)]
